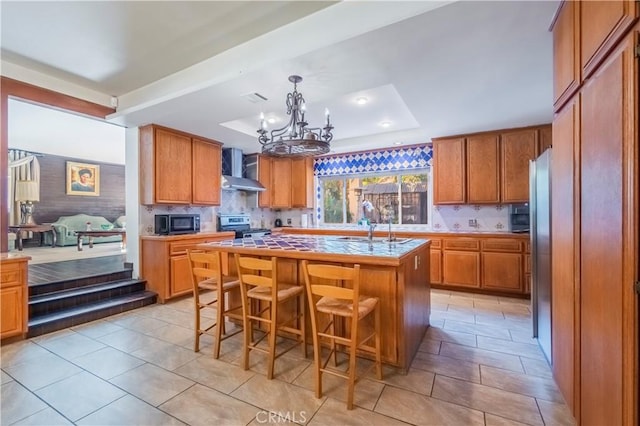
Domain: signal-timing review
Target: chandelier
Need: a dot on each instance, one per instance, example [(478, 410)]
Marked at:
[(295, 139)]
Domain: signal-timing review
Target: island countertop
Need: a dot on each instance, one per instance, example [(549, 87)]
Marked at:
[(325, 248)]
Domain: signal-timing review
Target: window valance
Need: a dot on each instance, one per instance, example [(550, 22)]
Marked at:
[(391, 159)]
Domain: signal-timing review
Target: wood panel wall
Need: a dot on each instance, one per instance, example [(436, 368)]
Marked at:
[(54, 202)]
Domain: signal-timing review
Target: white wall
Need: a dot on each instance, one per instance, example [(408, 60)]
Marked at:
[(50, 131)]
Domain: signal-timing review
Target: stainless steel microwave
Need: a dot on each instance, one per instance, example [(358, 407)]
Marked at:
[(173, 224)]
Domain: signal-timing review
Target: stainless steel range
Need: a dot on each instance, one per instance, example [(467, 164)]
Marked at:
[(241, 225)]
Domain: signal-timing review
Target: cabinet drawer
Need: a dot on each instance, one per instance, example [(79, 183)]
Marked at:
[(181, 247), (501, 245), (436, 244), (462, 244), (10, 275)]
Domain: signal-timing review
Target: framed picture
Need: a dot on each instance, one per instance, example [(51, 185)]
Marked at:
[(83, 179)]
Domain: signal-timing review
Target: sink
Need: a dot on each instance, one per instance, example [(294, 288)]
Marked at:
[(374, 240)]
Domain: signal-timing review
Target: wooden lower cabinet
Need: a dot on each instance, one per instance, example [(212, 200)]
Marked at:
[(502, 271), (488, 264), (13, 297), (461, 268), (180, 275), (165, 265), (436, 268)]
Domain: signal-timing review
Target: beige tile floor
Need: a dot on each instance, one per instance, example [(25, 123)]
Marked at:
[(477, 365)]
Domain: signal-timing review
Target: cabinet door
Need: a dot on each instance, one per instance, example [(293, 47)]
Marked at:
[(435, 268), (180, 276), (173, 168), (461, 268), (608, 241), (502, 271), (207, 165), (483, 169), (281, 182), (566, 51), (563, 241), (517, 149), (264, 177), (449, 171), (302, 182), (602, 25), (11, 311), (545, 138)]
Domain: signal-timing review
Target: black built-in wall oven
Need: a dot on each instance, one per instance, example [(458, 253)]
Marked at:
[(519, 217)]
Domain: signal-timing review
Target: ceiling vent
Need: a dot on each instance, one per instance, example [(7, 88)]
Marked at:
[(254, 97)]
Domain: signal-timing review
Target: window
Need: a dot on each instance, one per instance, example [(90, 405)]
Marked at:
[(399, 197)]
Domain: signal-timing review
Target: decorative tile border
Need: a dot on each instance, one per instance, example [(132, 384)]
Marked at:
[(395, 159)]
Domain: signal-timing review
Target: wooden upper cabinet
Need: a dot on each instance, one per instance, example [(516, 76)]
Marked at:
[(566, 59), (281, 182), (205, 177), (449, 171), (302, 182), (517, 148), (172, 168), (264, 177), (178, 168), (483, 169), (545, 139), (602, 25)]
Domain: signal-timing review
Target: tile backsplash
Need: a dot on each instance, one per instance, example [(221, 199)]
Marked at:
[(443, 218), (470, 218), (231, 202)]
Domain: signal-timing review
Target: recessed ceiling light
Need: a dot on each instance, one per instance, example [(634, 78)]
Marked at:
[(397, 143), (361, 100), (385, 124), (272, 120)]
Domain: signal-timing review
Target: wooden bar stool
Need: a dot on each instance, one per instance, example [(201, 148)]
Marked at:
[(259, 283), (207, 275), (331, 301)]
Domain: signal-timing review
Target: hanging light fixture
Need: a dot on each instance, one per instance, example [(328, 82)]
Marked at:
[(295, 139)]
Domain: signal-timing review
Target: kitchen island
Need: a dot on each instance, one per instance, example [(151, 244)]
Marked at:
[(396, 272)]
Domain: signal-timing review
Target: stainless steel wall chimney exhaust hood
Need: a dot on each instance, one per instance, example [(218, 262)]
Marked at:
[(237, 176)]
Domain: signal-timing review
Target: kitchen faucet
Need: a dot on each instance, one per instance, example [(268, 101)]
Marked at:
[(372, 226), (390, 219)]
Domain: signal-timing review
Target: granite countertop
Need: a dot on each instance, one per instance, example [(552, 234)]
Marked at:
[(315, 247)]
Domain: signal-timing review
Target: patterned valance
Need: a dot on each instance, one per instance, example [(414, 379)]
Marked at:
[(393, 159)]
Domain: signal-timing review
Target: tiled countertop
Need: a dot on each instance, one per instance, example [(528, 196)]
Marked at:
[(381, 231), (320, 248)]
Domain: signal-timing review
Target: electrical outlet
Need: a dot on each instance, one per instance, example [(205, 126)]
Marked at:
[(289, 221), (473, 223)]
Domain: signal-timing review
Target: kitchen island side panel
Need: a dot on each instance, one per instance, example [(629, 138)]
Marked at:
[(414, 289)]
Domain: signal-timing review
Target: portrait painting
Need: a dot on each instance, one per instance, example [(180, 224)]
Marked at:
[(83, 179)]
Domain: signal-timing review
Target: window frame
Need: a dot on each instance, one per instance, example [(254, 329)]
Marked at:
[(398, 173)]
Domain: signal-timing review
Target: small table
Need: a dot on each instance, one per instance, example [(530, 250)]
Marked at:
[(42, 229), (103, 233)]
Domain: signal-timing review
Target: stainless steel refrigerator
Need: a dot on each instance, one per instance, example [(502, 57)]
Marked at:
[(540, 232)]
